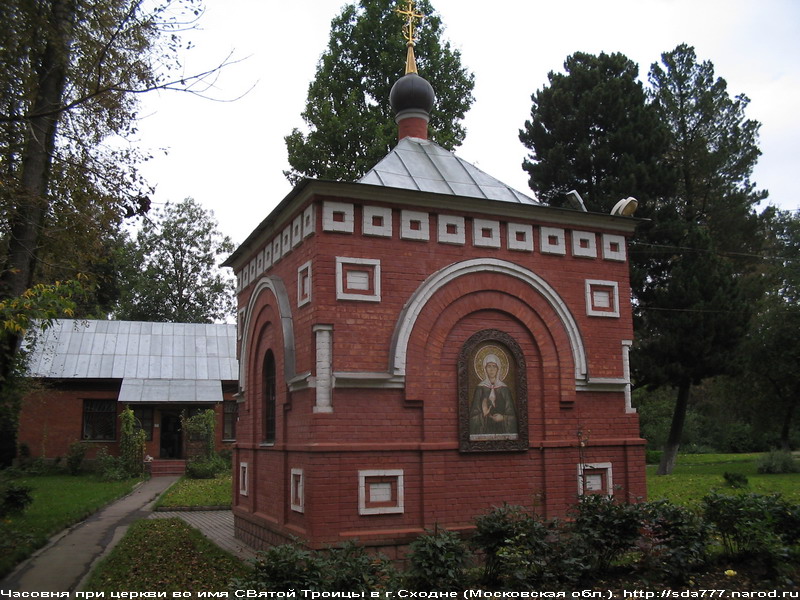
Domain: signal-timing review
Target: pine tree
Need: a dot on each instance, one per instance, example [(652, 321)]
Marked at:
[(350, 125)]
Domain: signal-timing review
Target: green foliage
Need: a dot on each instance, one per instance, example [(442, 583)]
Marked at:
[(171, 271), (603, 530), (760, 529), (346, 568), (206, 468), (674, 542), (494, 531), (350, 125), (735, 480), (110, 468), (775, 462), (14, 497), (166, 555), (350, 567), (201, 428), (283, 568), (131, 444), (585, 133), (75, 456), (437, 561)]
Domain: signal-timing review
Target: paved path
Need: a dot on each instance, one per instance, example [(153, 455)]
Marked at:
[(216, 525), (67, 559), (65, 562)]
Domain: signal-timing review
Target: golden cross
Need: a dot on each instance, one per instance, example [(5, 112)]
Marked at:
[(409, 32), (409, 28)]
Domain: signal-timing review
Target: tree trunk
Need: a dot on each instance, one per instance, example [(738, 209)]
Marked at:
[(787, 427), (25, 224), (676, 430)]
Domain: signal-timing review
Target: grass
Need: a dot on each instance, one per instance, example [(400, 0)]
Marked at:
[(58, 502), (188, 492), (695, 475), (165, 555)]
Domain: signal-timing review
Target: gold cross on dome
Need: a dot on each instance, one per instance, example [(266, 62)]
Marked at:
[(409, 29)]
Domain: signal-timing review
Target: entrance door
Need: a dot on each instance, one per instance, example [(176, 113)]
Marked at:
[(171, 436)]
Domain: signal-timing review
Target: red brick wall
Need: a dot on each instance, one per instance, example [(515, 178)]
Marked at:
[(415, 429)]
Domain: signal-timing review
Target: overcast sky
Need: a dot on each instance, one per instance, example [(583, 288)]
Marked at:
[(230, 156)]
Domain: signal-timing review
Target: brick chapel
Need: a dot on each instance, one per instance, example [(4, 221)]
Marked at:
[(425, 344)]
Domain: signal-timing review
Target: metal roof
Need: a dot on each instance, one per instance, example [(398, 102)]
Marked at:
[(417, 164), (137, 351)]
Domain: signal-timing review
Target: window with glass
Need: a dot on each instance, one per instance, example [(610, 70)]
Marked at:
[(229, 418), (100, 420), (270, 399), (144, 420)]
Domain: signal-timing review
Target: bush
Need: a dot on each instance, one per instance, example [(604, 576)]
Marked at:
[(735, 480), (437, 561), (674, 541), (760, 529), (75, 456), (776, 462), (131, 444), (284, 568), (603, 530), (109, 468), (495, 530), (351, 568), (206, 468), (14, 498)]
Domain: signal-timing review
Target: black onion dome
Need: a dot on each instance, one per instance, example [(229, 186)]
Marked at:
[(412, 92)]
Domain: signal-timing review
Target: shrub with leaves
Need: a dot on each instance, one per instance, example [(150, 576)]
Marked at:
[(437, 561), (284, 568), (603, 530), (131, 444), (735, 480), (351, 568), (206, 468), (674, 541), (109, 467), (75, 456), (14, 497), (495, 530), (777, 462)]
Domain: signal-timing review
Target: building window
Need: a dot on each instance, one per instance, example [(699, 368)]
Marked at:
[(380, 492), (595, 478), (297, 500), (229, 417), (243, 487), (144, 420), (100, 420), (270, 400)]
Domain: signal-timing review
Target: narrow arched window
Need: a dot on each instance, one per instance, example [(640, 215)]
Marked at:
[(270, 399)]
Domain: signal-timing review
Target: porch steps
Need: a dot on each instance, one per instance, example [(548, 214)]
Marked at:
[(167, 467)]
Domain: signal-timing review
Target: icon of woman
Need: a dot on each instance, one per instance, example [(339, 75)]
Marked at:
[(492, 411)]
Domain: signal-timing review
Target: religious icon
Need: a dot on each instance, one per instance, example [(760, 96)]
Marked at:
[(492, 411), (492, 393)]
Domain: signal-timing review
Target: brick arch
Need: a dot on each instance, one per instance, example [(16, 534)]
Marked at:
[(561, 316), (493, 301), (254, 320)]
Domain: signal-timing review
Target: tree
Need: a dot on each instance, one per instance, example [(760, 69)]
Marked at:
[(349, 121), (593, 131), (72, 72), (172, 273), (771, 351), (696, 302)]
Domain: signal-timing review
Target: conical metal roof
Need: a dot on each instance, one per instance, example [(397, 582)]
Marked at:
[(417, 164)]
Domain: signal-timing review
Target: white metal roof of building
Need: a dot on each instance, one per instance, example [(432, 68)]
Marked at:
[(417, 164), (156, 361)]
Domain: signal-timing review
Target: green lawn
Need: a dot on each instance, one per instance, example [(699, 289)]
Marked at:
[(165, 555), (58, 502), (198, 492), (697, 474)]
